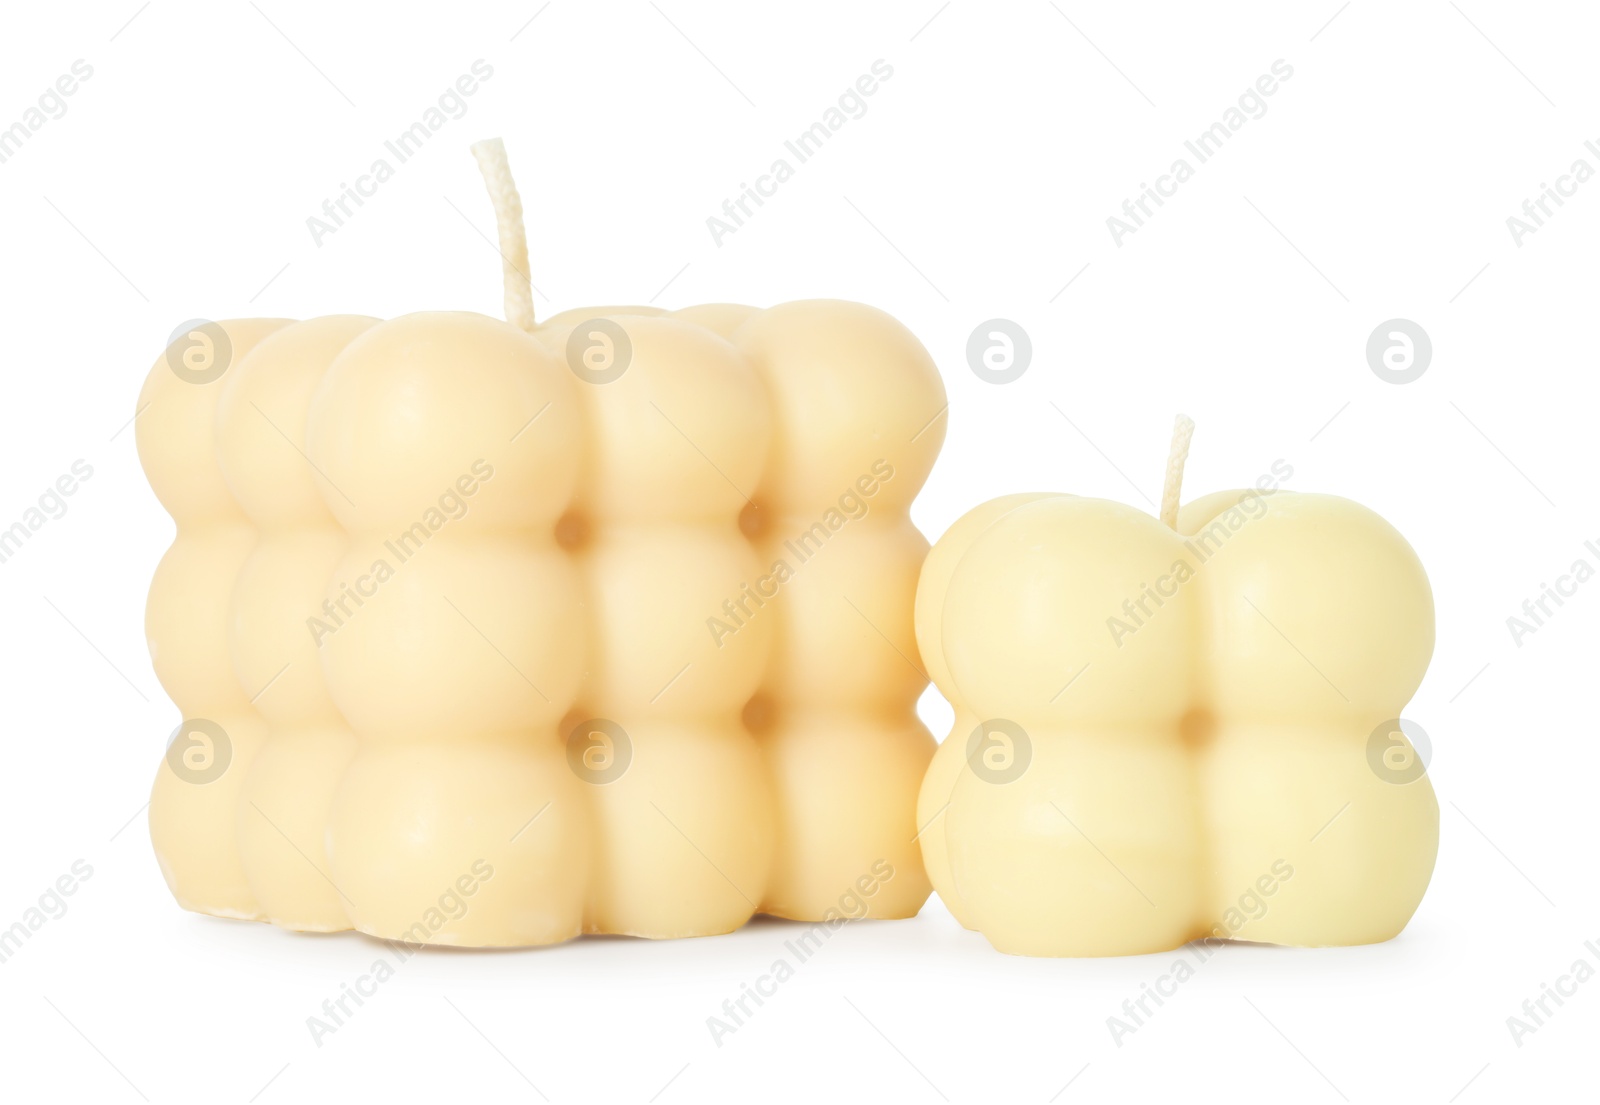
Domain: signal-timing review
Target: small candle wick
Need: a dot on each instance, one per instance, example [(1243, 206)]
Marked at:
[(1177, 456), (496, 169)]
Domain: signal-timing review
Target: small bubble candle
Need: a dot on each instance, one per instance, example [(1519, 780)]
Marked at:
[(1178, 728)]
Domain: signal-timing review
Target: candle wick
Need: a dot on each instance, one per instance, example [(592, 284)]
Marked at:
[(496, 169), (1177, 456)]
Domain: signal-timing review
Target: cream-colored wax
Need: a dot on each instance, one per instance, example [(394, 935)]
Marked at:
[(452, 444), (198, 785), (676, 444), (472, 565), (261, 442), (950, 757), (859, 419), (1195, 708)]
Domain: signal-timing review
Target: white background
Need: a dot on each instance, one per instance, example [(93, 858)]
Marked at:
[(1376, 186)]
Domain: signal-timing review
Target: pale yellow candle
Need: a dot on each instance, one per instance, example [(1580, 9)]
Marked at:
[(1174, 725)]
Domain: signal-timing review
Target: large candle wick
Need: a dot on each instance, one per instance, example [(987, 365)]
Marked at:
[(496, 169), (1177, 456)]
